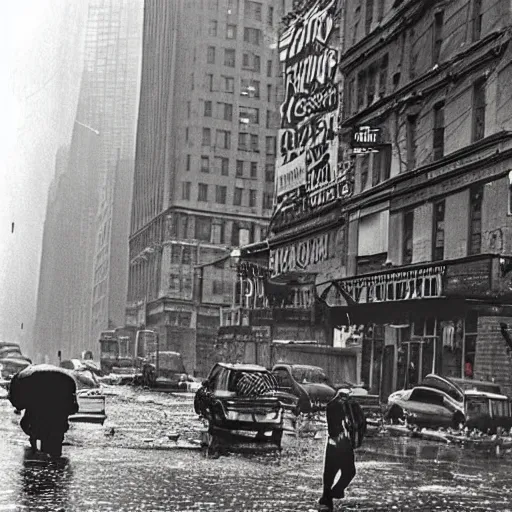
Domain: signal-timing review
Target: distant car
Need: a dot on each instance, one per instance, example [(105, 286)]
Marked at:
[(441, 402), (11, 361), (168, 372), (85, 377), (225, 402)]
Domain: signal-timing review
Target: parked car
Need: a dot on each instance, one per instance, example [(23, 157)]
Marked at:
[(441, 402), (11, 361), (91, 401), (168, 372), (312, 386), (224, 402)]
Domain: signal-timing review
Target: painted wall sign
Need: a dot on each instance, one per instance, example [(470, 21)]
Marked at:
[(403, 285), (308, 141), (300, 255), (366, 139)]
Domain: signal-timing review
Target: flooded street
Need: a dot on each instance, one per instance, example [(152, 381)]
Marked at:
[(134, 462)]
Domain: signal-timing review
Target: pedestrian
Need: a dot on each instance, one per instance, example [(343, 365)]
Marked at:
[(346, 427)]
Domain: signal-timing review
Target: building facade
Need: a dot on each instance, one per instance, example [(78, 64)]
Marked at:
[(204, 171), (411, 258)]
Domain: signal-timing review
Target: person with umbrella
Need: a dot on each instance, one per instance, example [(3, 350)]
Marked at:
[(48, 396)]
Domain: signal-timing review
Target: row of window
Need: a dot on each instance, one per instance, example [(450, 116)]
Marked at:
[(248, 87), (220, 164), (246, 141), (250, 61), (246, 115), (438, 238)]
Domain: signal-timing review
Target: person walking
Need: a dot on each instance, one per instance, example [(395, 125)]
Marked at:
[(346, 428)]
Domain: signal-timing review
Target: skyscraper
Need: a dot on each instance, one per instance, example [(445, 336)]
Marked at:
[(205, 157)]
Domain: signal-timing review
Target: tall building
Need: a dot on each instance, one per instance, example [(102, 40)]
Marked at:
[(205, 155), (83, 265), (113, 50)]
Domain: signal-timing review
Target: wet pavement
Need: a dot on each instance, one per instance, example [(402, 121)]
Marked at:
[(134, 463)]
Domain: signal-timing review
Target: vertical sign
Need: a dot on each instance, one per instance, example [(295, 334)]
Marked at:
[(307, 140)]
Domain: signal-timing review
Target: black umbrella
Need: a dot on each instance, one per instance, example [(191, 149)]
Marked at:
[(43, 385)]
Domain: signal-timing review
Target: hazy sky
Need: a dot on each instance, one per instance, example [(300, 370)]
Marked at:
[(40, 65)]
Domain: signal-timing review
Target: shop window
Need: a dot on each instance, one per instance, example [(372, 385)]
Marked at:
[(407, 237), (438, 238), (475, 220)]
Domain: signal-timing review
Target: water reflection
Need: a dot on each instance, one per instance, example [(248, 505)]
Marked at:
[(44, 481)]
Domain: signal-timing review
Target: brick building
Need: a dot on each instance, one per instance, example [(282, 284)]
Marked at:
[(409, 236)]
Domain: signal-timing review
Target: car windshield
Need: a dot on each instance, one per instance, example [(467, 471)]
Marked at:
[(169, 361), (477, 405), (426, 396), (10, 353), (309, 375)]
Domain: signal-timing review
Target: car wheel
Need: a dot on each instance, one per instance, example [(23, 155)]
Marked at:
[(395, 414)]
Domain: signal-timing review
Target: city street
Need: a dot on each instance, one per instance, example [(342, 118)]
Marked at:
[(134, 462)]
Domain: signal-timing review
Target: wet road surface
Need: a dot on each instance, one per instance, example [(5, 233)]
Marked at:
[(130, 464)]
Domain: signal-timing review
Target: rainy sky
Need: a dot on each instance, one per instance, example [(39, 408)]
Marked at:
[(40, 65)]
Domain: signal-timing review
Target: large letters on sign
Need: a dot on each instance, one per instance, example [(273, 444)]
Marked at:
[(308, 141), (300, 255)]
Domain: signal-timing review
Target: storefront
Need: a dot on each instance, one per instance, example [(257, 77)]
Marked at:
[(441, 318)]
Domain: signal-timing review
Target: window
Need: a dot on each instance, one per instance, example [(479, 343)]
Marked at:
[(235, 234), (187, 163), (368, 16), (479, 110), (254, 170), (187, 134), (239, 168), (188, 109), (252, 35), (185, 190), (202, 192), (269, 93), (251, 62), (437, 36), (252, 198), (365, 167), (209, 82), (243, 141), (249, 115), (223, 139), (411, 142), (349, 105), (207, 109), (203, 229), (269, 68), (477, 20), (255, 143), (207, 137), (212, 28), (267, 200), (383, 76), (228, 84), (225, 111), (229, 57), (370, 90), (237, 198), (210, 55), (361, 88), (230, 31), (380, 10), (270, 145), (438, 142), (270, 16), (220, 194), (269, 173), (438, 236), (205, 164), (407, 237), (475, 219), (249, 88), (222, 164), (253, 10), (376, 168)]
